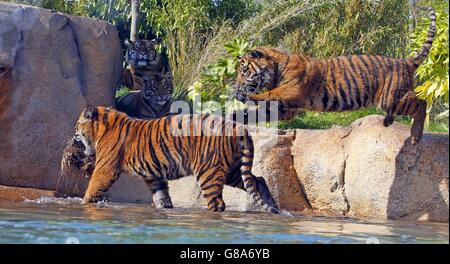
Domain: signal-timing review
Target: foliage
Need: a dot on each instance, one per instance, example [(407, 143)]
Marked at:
[(216, 79), (433, 72), (194, 33), (218, 76), (122, 91), (324, 120)]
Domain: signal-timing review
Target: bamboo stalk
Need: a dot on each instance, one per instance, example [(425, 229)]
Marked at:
[(135, 14)]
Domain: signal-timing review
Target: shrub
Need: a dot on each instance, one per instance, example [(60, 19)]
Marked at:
[(433, 72)]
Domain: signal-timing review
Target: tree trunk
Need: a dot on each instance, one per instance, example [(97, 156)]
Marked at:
[(135, 13)]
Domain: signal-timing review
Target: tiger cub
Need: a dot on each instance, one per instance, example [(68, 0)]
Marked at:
[(153, 101), (143, 61), (337, 84), (166, 149)]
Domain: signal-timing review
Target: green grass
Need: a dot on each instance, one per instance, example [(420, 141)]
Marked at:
[(316, 120), (122, 91)]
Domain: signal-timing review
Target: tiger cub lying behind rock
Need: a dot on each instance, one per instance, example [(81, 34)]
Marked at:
[(153, 101), (166, 149)]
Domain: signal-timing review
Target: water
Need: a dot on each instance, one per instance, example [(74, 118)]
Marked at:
[(50, 220)]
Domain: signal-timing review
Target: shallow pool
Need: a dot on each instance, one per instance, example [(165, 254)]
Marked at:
[(50, 220)]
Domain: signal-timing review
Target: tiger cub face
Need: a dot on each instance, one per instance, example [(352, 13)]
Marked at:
[(256, 72), (86, 129), (158, 89), (142, 53)]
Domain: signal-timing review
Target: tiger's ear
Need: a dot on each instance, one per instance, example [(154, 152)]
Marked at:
[(128, 42), (156, 41), (255, 54), (91, 113)]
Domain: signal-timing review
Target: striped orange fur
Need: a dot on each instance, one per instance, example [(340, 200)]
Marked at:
[(152, 150), (337, 84)]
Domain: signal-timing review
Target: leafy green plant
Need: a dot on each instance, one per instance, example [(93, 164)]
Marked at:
[(218, 76), (122, 92), (433, 72), (217, 79)]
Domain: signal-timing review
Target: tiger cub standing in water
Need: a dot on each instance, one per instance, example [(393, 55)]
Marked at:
[(165, 149), (144, 61), (337, 84)]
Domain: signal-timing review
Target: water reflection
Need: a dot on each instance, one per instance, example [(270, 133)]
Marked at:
[(50, 220)]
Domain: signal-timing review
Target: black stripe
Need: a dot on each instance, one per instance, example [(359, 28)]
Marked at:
[(406, 110), (347, 105), (325, 99), (217, 185), (357, 96), (333, 78), (365, 80), (398, 87), (375, 76), (209, 178), (389, 86), (335, 104), (215, 193)]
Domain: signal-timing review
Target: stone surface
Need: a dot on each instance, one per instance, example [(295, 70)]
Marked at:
[(367, 170), (15, 194), (273, 161), (51, 67)]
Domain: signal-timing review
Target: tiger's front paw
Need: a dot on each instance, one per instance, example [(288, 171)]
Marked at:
[(92, 198), (216, 205), (163, 203), (241, 96)]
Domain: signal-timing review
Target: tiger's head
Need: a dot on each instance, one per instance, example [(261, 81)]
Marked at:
[(158, 90), (257, 71), (142, 53), (86, 129)]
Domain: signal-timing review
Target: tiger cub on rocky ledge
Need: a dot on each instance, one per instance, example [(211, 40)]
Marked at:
[(143, 61)]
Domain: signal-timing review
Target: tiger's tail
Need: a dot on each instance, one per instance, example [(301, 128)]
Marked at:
[(419, 57), (247, 176)]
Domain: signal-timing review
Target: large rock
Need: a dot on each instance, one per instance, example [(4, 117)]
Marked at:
[(51, 67), (369, 170)]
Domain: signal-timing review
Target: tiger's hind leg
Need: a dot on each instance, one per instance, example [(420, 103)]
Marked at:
[(160, 193), (211, 183), (417, 109), (418, 122), (235, 180), (263, 189)]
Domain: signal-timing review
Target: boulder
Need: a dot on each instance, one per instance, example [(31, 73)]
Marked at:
[(51, 66), (368, 170)]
